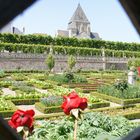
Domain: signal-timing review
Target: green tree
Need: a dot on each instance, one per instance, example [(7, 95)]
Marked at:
[(71, 62), (50, 61)]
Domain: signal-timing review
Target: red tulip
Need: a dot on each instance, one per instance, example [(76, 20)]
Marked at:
[(73, 101), (22, 118)]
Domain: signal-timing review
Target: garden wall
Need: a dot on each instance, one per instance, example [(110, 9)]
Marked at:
[(12, 61)]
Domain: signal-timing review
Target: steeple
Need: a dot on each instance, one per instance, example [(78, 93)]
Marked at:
[(79, 15), (78, 26)]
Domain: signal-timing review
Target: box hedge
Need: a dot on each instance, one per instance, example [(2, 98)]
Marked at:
[(64, 41), (46, 110), (24, 101), (66, 50), (117, 100)]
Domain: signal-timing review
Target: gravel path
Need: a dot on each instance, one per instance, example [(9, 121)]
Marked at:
[(114, 104), (41, 90), (26, 107), (7, 91)]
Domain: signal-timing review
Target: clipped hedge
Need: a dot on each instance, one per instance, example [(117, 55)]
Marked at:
[(24, 101), (98, 105), (64, 41), (129, 115), (55, 109), (46, 110), (65, 50), (117, 100), (132, 115)]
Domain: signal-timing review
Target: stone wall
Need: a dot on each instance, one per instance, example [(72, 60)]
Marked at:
[(12, 61)]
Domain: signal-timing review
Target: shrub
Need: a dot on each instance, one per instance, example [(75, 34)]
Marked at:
[(50, 61), (2, 74), (71, 62), (121, 85), (67, 77)]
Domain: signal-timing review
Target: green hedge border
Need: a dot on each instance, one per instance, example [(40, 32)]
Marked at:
[(66, 50), (129, 115), (98, 105), (25, 101), (122, 102), (55, 109), (46, 110), (65, 41)]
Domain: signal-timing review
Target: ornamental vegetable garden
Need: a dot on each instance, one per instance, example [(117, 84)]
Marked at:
[(72, 105), (95, 120)]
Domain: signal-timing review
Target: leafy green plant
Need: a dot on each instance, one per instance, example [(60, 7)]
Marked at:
[(90, 127), (121, 85), (131, 92), (69, 76)]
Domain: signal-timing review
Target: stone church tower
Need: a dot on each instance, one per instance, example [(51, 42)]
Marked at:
[(78, 26)]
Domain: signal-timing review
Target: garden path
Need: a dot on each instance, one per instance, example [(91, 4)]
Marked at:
[(41, 90), (136, 120), (7, 91), (26, 107), (114, 104)]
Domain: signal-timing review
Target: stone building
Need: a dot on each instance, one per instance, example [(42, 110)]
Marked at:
[(11, 29), (78, 26)]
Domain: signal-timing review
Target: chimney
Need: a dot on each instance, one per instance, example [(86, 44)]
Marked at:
[(13, 30)]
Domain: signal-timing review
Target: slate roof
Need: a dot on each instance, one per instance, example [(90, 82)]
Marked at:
[(79, 15)]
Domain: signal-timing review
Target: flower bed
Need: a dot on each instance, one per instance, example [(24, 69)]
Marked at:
[(54, 109), (46, 110), (121, 90), (40, 84), (6, 108)]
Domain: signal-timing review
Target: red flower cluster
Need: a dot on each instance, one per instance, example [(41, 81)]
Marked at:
[(73, 101), (22, 118)]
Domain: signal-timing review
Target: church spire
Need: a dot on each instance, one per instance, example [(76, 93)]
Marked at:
[(79, 15)]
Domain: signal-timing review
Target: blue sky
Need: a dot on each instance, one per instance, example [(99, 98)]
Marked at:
[(107, 17)]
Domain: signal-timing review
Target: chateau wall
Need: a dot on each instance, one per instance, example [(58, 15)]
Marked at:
[(12, 61)]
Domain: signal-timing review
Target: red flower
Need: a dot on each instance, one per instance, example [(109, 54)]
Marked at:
[(22, 118), (73, 101)]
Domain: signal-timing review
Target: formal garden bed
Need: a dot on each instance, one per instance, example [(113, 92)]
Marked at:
[(119, 92), (49, 103), (7, 108)]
